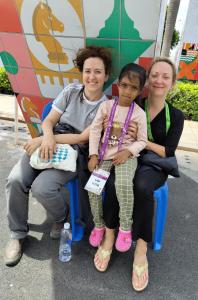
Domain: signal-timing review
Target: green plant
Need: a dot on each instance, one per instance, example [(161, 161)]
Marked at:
[(5, 86), (175, 38), (185, 97)]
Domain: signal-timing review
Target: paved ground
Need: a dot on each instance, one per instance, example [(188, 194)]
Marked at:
[(39, 275)]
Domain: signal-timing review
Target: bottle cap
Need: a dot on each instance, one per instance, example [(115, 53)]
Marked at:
[(66, 226)]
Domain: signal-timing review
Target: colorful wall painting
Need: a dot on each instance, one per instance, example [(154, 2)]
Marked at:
[(188, 64), (39, 40)]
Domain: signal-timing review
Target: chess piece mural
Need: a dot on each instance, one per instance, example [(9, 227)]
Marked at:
[(39, 40)]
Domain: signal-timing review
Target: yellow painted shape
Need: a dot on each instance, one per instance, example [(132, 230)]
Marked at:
[(77, 5), (43, 20), (19, 5), (33, 131)]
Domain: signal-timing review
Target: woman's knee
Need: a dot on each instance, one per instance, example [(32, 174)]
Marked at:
[(40, 190), (16, 180)]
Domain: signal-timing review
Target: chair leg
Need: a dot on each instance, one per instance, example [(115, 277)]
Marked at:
[(77, 229), (161, 197)]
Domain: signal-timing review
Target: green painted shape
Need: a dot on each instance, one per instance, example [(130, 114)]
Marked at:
[(9, 62), (123, 52), (128, 31), (113, 45), (111, 29), (131, 50)]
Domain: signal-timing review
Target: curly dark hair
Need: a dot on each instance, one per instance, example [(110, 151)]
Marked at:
[(94, 51)]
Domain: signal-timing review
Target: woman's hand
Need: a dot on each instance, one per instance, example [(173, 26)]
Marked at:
[(31, 145), (93, 163), (132, 130), (48, 147), (121, 157)]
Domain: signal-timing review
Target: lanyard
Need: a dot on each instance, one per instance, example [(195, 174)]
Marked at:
[(167, 112), (110, 124)]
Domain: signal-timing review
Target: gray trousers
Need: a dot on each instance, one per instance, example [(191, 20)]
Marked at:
[(47, 187)]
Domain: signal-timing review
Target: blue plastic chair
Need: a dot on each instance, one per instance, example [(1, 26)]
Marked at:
[(161, 198), (72, 186)]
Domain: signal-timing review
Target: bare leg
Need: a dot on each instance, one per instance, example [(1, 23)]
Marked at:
[(140, 266), (101, 262)]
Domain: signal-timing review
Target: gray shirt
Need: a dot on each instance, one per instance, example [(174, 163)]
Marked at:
[(78, 114)]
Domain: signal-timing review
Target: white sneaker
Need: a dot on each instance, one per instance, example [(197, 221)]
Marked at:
[(13, 252)]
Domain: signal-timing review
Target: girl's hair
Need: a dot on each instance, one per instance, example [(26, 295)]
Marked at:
[(94, 51), (133, 70), (169, 62)]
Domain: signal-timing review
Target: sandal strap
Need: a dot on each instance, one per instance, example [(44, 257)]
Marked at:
[(104, 253), (140, 269)]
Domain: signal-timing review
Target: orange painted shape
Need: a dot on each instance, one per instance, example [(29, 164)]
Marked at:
[(186, 70), (9, 20), (145, 62), (196, 72), (15, 44), (32, 108)]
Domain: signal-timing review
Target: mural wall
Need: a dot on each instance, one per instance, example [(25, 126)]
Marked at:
[(39, 40), (188, 65)]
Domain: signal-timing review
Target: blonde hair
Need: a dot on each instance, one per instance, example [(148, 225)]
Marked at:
[(169, 62)]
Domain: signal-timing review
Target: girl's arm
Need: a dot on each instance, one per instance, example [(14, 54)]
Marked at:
[(160, 150)]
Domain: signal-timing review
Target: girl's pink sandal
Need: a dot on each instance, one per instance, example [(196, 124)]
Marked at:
[(96, 236), (124, 240)]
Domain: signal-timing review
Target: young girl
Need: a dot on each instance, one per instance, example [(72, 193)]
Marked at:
[(117, 148)]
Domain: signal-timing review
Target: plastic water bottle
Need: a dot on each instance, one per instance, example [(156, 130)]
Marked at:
[(65, 243)]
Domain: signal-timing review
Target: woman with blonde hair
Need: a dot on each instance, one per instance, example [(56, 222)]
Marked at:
[(164, 128)]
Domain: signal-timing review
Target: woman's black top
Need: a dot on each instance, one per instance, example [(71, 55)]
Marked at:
[(158, 128)]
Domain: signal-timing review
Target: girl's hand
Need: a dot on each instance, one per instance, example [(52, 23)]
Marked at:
[(93, 163), (31, 145), (121, 157), (132, 130), (48, 147)]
